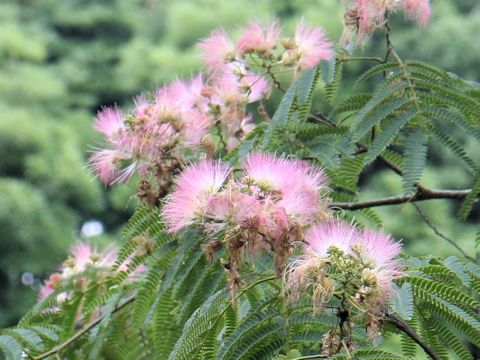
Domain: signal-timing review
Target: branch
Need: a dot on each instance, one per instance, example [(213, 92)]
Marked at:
[(421, 195), (403, 326), (81, 332)]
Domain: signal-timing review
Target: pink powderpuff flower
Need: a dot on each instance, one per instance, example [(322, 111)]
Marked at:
[(231, 208), (312, 45), (187, 203), (247, 125), (217, 49), (258, 38), (268, 171), (81, 253), (226, 85), (419, 9), (110, 122), (299, 183), (141, 107), (107, 163), (49, 286), (379, 251), (367, 18), (84, 256), (195, 128), (166, 104), (336, 233), (256, 87)]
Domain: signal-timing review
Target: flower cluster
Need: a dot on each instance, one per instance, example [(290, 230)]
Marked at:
[(271, 204), (189, 120), (355, 266), (84, 263), (362, 17), (266, 205), (261, 46)]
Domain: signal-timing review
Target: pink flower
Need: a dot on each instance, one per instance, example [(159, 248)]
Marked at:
[(109, 122), (339, 234), (49, 286), (217, 49), (419, 9), (84, 255), (300, 185), (141, 107), (106, 164), (256, 87), (230, 208), (81, 253), (194, 187), (311, 46), (258, 38), (378, 248), (378, 251), (195, 127), (166, 104)]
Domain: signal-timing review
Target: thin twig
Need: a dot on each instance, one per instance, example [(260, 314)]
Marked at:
[(421, 195), (438, 233), (360, 58), (403, 326), (81, 332), (311, 357)]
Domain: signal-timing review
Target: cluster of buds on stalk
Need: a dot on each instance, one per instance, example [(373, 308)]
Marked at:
[(85, 267), (191, 120), (266, 205), (353, 268), (363, 17)]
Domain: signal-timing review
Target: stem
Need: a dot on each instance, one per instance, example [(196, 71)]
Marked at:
[(81, 332), (360, 58), (421, 195), (311, 357), (403, 326), (438, 233), (388, 40)]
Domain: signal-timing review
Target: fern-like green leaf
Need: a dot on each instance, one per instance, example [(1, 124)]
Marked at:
[(388, 134), (281, 116), (382, 112), (415, 155), (471, 198)]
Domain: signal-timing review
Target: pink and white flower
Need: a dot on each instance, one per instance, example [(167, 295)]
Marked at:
[(309, 47), (195, 185), (337, 234), (110, 122), (258, 38), (217, 49)]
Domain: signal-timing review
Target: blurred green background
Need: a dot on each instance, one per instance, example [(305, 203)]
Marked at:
[(60, 61)]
